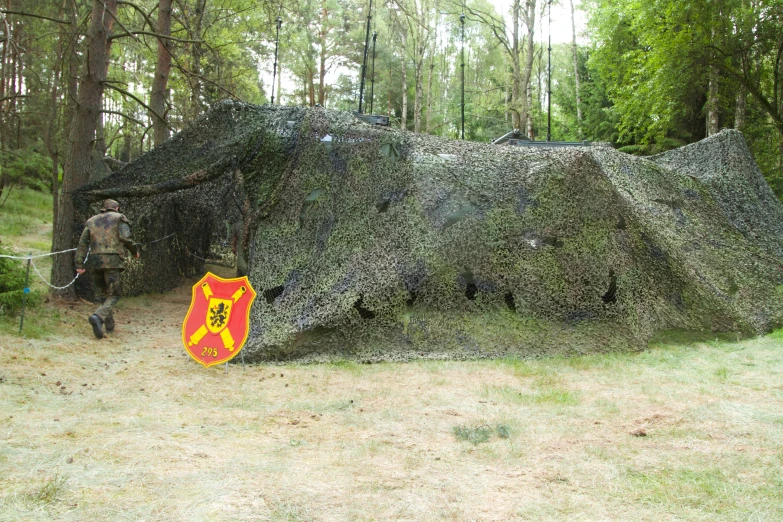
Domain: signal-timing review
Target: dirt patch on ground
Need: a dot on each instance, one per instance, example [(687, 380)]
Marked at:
[(130, 428)]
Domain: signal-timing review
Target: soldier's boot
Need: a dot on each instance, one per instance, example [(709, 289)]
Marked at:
[(97, 326), (109, 324)]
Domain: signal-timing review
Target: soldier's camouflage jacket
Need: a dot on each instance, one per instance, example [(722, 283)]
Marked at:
[(108, 237)]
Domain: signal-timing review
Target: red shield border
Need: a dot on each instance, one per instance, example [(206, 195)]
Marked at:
[(202, 345)]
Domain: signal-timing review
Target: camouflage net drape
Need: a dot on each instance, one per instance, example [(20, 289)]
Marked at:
[(377, 244)]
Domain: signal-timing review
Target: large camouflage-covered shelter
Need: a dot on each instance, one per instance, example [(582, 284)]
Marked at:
[(371, 243)]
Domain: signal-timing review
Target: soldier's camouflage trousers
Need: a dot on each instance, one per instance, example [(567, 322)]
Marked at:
[(108, 284)]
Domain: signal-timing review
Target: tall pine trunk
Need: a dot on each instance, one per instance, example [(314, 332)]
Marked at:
[(428, 123), (78, 155), (713, 119), (279, 84), (419, 90), (4, 105), (576, 75), (159, 93), (311, 86), (527, 74), (195, 61), (404, 86), (516, 71), (740, 111), (322, 55), (50, 131)]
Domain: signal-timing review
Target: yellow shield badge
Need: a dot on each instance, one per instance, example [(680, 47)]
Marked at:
[(216, 326)]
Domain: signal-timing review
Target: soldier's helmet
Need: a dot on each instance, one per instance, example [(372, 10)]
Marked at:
[(110, 204)]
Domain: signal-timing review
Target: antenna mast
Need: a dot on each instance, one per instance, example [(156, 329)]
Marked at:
[(364, 61), (462, 74), (274, 67)]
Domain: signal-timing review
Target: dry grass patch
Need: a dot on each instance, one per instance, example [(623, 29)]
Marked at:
[(129, 428)]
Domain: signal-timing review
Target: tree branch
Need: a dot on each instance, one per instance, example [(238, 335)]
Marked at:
[(32, 15), (116, 20), (159, 36), (127, 117), (138, 100), (754, 89), (12, 97), (144, 15)]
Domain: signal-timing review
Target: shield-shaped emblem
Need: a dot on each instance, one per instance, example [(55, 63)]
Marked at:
[(218, 314), (217, 323)]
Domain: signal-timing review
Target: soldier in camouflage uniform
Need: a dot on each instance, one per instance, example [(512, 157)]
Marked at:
[(108, 237)]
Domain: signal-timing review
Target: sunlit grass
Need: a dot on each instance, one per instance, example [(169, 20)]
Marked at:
[(24, 210), (39, 323), (709, 490)]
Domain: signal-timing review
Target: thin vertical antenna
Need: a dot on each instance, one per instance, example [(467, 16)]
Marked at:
[(364, 60), (549, 80), (462, 74), (274, 67), (372, 75)]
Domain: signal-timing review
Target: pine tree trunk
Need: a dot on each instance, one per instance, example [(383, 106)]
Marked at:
[(516, 74), (428, 124), (55, 156), (3, 116), (527, 74), (404, 84), (78, 158), (713, 120), (322, 56), (311, 86), (419, 87), (159, 93), (279, 82), (388, 93), (50, 130), (195, 61), (740, 111), (576, 75)]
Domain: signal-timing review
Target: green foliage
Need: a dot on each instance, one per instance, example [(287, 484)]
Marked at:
[(23, 210), (50, 491), (656, 59), (28, 168), (12, 275), (479, 434), (474, 435)]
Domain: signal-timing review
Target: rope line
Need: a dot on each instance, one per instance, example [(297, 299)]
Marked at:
[(38, 273), (156, 240), (36, 256), (25, 258)]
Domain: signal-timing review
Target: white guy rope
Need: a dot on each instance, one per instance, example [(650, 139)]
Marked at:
[(38, 273), (25, 258)]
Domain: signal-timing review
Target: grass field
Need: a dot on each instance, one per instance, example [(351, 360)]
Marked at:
[(130, 428), (26, 227)]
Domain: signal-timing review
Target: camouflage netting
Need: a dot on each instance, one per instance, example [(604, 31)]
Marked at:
[(377, 244)]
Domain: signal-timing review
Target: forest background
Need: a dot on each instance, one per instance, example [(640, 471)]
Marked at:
[(86, 85)]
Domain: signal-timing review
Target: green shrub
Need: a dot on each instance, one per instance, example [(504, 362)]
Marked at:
[(12, 272), (478, 434), (29, 168)]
